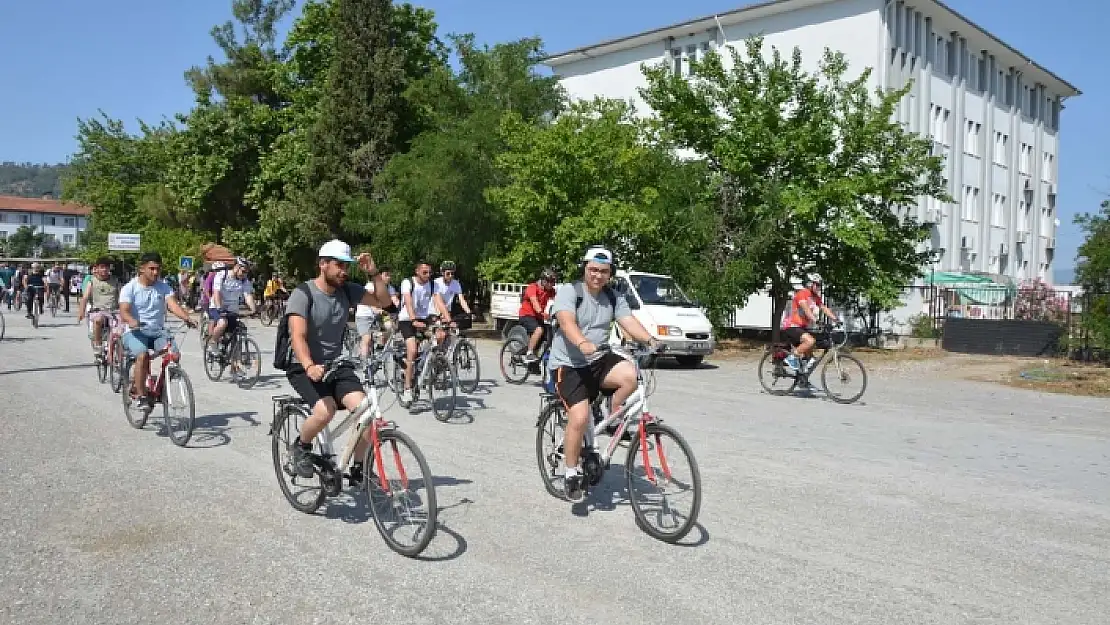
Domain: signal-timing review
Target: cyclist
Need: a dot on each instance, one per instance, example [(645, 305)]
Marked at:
[(102, 294), (533, 310), (585, 311), (206, 287), (317, 317), (56, 279), (142, 304), (7, 275), (412, 319), (804, 307), (223, 309), (275, 289), (366, 315), (447, 288), (34, 284), (17, 285)]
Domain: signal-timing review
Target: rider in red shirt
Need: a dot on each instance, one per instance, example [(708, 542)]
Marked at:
[(533, 310), (804, 307)]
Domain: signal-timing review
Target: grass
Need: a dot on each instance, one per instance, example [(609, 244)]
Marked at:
[(1062, 377)]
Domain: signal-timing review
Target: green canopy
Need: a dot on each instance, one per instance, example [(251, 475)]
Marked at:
[(973, 288), (953, 277)]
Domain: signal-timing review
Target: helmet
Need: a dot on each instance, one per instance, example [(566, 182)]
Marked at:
[(447, 265), (549, 274), (241, 261), (35, 266)]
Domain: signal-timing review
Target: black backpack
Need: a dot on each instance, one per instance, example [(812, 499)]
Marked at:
[(283, 345)]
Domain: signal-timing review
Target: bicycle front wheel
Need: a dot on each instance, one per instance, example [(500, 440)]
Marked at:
[(403, 503), (3, 327), (842, 369), (178, 405), (467, 366), (443, 388), (247, 359), (304, 494), (551, 429), (674, 480), (513, 367), (215, 363), (136, 415), (267, 314), (102, 366)]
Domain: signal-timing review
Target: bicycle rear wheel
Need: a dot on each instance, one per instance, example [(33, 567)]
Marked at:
[(443, 386), (181, 416), (513, 367), (308, 495), (773, 378), (115, 364), (467, 366), (136, 416), (672, 525), (215, 363), (3, 327), (247, 357), (843, 368), (550, 431), (393, 489), (267, 314)]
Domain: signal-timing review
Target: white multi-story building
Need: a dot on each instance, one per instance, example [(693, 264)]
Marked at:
[(991, 111), (59, 221)]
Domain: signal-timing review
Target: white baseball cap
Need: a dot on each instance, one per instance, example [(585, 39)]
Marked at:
[(598, 254), (336, 249)]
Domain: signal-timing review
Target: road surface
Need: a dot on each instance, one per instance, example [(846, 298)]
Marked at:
[(931, 501)]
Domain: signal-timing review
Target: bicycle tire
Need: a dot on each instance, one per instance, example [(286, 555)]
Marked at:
[(214, 363), (267, 315), (510, 349), (3, 327), (767, 384), (825, 383), (254, 353), (466, 353), (136, 417), (549, 462), (447, 368), (388, 436), (116, 364), (656, 429), (276, 445), (35, 315), (101, 361), (176, 371)]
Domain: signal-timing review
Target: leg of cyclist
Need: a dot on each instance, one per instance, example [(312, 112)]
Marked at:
[(621, 379), (577, 388), (364, 325), (137, 344), (319, 395), (408, 331), (534, 329), (98, 328), (351, 399), (216, 328)]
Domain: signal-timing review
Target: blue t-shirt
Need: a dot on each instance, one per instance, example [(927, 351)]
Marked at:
[(148, 303)]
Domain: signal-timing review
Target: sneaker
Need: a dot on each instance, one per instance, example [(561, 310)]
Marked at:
[(530, 358), (354, 475), (574, 486), (406, 397), (302, 462)]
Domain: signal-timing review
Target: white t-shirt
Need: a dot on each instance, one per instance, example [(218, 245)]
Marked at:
[(364, 311), (55, 276), (448, 291), (231, 289), (421, 299)]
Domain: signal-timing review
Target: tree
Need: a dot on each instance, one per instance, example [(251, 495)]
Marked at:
[(1092, 272), (24, 242), (808, 172), (593, 176)]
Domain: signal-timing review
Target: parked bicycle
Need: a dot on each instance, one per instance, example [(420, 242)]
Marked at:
[(170, 387), (236, 350), (777, 379), (648, 432), (432, 371), (389, 485), (462, 353)]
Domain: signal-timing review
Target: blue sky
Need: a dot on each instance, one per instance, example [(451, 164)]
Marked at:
[(65, 59)]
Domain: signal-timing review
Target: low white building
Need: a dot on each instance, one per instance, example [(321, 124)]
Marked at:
[(993, 112), (59, 221)]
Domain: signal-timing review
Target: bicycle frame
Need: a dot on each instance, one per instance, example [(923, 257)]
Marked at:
[(167, 355), (833, 352)]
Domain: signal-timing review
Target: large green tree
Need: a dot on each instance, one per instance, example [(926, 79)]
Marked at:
[(809, 173), (1092, 272)]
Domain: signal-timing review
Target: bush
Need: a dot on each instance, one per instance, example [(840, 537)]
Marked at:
[(1035, 301), (923, 326)]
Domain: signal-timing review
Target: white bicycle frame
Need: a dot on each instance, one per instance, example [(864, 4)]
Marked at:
[(363, 414), (633, 413)]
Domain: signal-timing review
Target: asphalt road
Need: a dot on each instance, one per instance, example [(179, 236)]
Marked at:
[(931, 501)]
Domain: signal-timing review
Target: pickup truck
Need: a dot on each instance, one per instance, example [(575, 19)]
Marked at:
[(656, 301)]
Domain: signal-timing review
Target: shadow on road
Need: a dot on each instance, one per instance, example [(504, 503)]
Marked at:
[(84, 365), (212, 430)]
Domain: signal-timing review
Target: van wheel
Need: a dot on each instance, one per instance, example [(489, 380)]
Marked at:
[(690, 362)]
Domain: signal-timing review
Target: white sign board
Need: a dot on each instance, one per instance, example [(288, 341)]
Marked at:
[(118, 242)]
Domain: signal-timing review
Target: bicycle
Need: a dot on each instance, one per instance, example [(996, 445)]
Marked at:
[(3, 326), (272, 310), (54, 300), (462, 353), (106, 359), (834, 360), (385, 493), (34, 303), (513, 367), (432, 370), (382, 361), (647, 436), (236, 348), (179, 428)]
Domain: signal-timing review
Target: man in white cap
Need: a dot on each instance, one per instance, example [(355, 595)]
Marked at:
[(317, 312)]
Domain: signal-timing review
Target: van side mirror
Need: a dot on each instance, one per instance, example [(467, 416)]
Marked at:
[(632, 303)]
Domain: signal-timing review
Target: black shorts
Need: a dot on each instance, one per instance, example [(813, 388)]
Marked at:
[(408, 330), (576, 385), (794, 335), (530, 324), (344, 382)]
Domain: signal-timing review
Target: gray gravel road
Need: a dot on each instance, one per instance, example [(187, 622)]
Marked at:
[(929, 502)]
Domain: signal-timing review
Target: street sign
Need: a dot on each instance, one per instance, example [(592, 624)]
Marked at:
[(186, 263), (119, 242)]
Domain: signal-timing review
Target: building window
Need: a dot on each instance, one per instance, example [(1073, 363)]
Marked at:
[(942, 56), (3, 217), (971, 143), (939, 124), (971, 204), (49, 236), (24, 219), (1046, 167), (681, 58), (1054, 121), (1026, 161), (49, 221), (3, 235), (1023, 216), (998, 210), (67, 239), (69, 221), (1000, 142)]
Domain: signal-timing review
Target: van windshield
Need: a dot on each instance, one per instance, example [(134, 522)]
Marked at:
[(660, 291)]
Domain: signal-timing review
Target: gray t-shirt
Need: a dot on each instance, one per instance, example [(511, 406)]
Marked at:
[(329, 318), (594, 316)]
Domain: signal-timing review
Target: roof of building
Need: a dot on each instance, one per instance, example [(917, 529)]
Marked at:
[(773, 7), (35, 205)]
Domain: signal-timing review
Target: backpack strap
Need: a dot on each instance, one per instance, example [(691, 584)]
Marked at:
[(580, 296)]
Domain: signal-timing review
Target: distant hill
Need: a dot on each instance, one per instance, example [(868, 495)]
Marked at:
[(31, 180), (1064, 276)]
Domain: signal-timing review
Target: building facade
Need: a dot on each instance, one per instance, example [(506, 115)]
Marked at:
[(992, 113), (59, 221)]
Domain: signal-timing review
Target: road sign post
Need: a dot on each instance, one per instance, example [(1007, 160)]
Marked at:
[(120, 242), (186, 263)]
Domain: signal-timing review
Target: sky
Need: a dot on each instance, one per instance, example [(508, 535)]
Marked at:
[(67, 59)]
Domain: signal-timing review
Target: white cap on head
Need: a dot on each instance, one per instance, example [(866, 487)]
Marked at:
[(598, 254), (336, 249)]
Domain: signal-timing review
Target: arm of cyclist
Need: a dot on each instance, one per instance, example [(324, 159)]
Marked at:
[(465, 304), (380, 297), (441, 308), (125, 314), (536, 306), (82, 304), (174, 307), (830, 314), (251, 304), (635, 330)]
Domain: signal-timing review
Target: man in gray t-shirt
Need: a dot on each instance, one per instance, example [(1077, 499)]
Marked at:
[(580, 371), (317, 337)]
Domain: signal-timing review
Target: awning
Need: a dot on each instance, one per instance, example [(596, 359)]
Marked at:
[(211, 252)]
